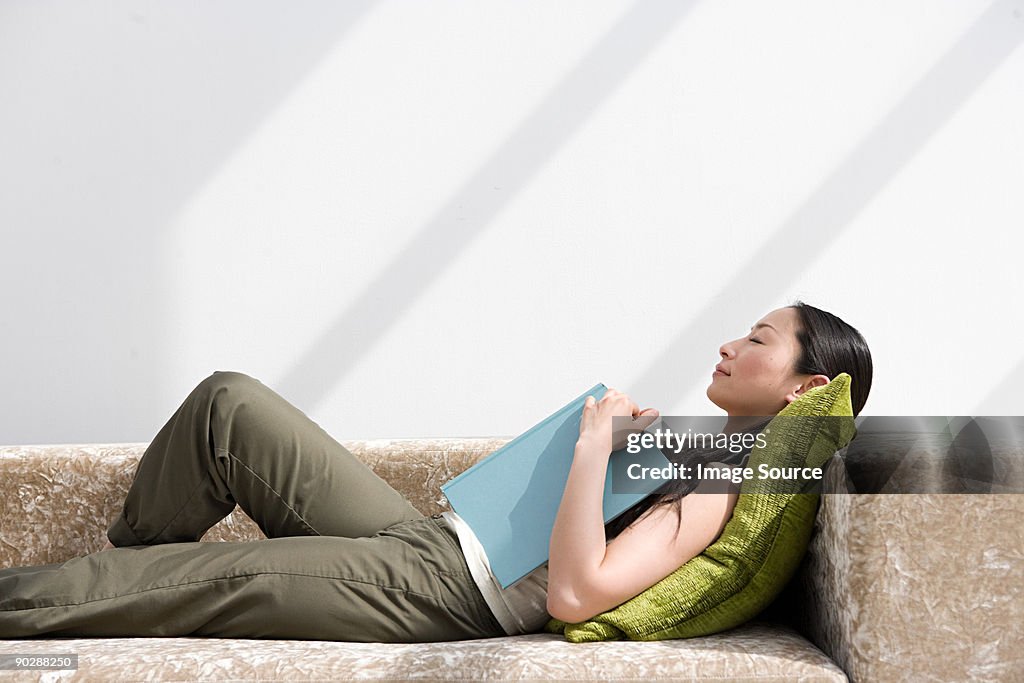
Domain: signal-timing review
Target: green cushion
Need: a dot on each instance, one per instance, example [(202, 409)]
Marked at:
[(761, 546)]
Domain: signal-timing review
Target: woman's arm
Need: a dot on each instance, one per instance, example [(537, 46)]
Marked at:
[(586, 577), (577, 546)]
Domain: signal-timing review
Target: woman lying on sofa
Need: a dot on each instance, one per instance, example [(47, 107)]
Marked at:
[(349, 558)]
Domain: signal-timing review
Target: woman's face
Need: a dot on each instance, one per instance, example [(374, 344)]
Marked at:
[(759, 377)]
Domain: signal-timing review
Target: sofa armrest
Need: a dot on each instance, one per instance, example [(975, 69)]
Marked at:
[(915, 586)]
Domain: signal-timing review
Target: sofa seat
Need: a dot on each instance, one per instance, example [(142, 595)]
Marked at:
[(754, 652)]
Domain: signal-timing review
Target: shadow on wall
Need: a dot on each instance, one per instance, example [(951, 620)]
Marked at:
[(468, 212), (835, 202), (81, 237), (817, 223)]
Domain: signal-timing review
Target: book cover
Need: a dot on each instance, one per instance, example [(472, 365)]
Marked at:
[(511, 497)]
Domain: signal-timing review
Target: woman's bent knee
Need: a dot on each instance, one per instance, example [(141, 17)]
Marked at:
[(226, 386), (229, 379)]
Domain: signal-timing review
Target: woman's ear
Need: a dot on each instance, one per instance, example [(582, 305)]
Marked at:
[(814, 381)]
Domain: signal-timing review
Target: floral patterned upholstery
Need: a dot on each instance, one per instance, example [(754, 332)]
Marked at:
[(894, 587)]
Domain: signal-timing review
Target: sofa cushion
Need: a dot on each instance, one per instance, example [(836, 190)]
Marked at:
[(762, 544), (757, 652)]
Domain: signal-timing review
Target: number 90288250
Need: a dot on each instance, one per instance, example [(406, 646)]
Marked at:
[(38, 661)]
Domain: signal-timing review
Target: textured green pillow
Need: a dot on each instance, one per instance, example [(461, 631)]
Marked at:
[(761, 546)]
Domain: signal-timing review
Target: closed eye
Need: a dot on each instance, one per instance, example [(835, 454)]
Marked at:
[(756, 340)]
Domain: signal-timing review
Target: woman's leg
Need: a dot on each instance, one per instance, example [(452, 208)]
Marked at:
[(408, 583), (233, 440)]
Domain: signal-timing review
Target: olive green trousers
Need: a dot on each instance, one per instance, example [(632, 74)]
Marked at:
[(346, 556)]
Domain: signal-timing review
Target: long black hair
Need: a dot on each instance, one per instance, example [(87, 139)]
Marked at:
[(828, 346)]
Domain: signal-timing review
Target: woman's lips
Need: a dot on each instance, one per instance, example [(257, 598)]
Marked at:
[(718, 373)]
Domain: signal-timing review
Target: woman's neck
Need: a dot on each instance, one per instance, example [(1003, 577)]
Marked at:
[(739, 423)]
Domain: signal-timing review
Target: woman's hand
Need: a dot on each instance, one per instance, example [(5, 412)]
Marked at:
[(597, 428)]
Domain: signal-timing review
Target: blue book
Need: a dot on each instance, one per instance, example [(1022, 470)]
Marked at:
[(511, 497)]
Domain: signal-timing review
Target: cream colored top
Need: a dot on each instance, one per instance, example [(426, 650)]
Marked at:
[(520, 608)]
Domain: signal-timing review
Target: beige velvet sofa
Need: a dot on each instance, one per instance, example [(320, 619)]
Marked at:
[(893, 588)]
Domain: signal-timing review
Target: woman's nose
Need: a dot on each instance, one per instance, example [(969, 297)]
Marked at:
[(726, 350)]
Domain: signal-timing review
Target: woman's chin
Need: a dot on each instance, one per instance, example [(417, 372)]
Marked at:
[(711, 394)]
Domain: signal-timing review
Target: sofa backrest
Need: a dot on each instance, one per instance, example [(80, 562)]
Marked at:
[(56, 501)]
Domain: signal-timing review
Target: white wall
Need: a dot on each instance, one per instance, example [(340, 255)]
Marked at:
[(448, 218)]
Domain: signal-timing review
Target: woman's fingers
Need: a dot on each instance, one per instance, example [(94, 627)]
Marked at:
[(612, 395), (597, 417), (646, 418)]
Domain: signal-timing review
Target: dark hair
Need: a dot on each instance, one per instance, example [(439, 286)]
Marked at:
[(828, 346)]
